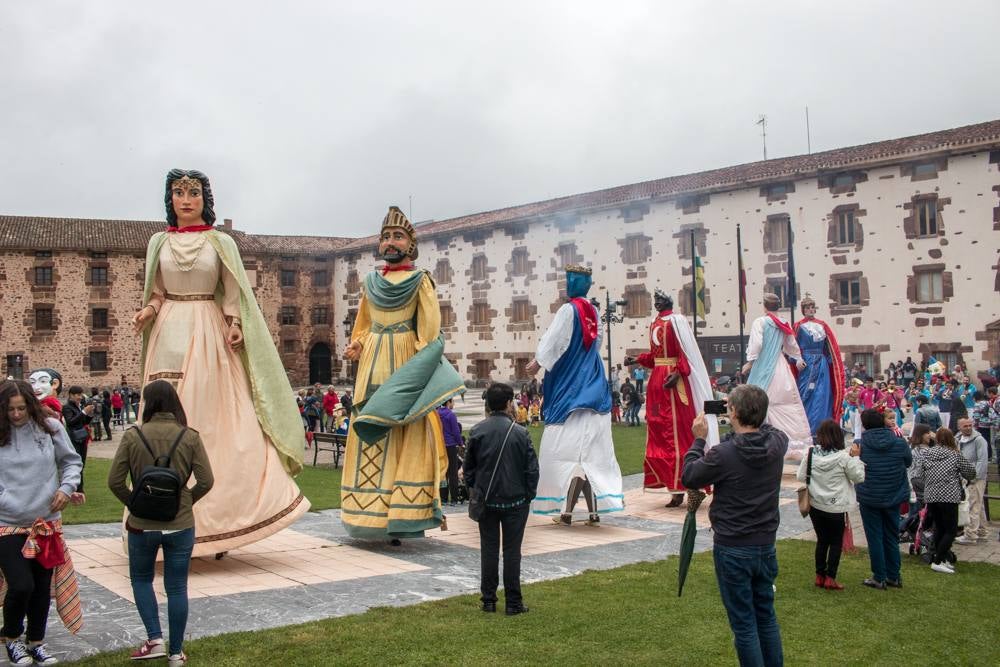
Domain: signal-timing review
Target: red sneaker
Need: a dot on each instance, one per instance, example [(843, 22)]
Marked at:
[(151, 648), (831, 585), (820, 580)]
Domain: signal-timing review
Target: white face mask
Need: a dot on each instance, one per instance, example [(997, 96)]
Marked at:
[(41, 383)]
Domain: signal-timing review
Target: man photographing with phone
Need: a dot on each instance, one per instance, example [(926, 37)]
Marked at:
[(745, 469)]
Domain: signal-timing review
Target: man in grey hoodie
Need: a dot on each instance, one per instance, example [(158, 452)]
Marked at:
[(745, 469), (973, 446)]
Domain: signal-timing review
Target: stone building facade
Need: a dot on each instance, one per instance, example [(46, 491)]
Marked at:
[(898, 242)]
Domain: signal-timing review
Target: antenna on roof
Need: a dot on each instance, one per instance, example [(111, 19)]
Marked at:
[(809, 148), (762, 121)]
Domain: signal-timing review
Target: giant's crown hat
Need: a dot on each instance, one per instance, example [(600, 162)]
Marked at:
[(396, 218)]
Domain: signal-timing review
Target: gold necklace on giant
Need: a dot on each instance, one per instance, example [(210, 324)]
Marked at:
[(181, 266)]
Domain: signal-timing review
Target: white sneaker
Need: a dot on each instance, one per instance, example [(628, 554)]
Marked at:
[(177, 660), (943, 568), (965, 540)]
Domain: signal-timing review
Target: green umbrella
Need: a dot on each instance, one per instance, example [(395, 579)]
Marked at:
[(687, 536)]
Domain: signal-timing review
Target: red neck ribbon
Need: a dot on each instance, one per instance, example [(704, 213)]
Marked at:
[(588, 320), (784, 326), (192, 228), (396, 267)]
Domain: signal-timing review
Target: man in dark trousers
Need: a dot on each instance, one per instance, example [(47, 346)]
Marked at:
[(507, 480), (745, 469), (77, 419)]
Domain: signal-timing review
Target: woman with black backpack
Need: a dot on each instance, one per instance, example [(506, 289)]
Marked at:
[(159, 457)]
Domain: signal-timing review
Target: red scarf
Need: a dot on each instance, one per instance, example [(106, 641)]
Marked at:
[(192, 228), (784, 326), (396, 267), (588, 320)]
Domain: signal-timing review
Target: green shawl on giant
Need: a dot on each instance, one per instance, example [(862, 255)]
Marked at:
[(273, 399), (418, 386)]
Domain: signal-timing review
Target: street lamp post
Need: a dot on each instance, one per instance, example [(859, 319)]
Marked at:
[(609, 316)]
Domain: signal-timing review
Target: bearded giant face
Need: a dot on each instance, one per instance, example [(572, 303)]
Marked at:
[(393, 245), (45, 382)]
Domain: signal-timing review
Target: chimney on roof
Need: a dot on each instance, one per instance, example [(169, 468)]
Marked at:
[(227, 224)]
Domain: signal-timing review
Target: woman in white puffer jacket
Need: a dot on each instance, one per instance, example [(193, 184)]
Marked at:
[(834, 472)]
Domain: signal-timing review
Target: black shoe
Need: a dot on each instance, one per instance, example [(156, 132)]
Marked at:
[(894, 583), (490, 607), (519, 609), (41, 655), (874, 583)]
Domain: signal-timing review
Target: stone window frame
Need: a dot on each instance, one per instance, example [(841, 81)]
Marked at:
[(912, 283), (44, 276), (852, 295), (780, 282), (95, 321), (942, 351), (640, 302), (924, 170), (314, 315), (771, 222), (829, 181), (43, 254), (98, 275), (519, 261), (692, 203), (911, 222), (683, 303), (634, 212), (480, 268), (520, 310), (448, 317), (352, 285), (44, 318), (480, 314), (288, 315), (874, 351), (864, 293), (443, 273), (934, 273), (567, 248), (483, 368), (636, 248), (321, 278), (97, 361), (289, 346), (834, 227), (772, 193), (285, 275)]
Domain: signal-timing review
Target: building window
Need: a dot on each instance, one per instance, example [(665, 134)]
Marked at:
[(636, 249), (320, 315), (43, 254), (443, 272), (479, 267), (43, 275), (480, 313), (353, 282), (320, 278), (845, 227), (777, 233), (288, 315), (946, 357), (43, 319), (288, 346), (843, 181), (98, 275), (866, 361), (850, 292), (925, 169), (483, 369), (777, 287), (447, 316), (98, 255), (287, 278), (98, 360), (521, 368), (15, 366), (519, 262), (567, 254), (99, 318), (639, 303), (927, 222), (521, 311), (930, 287)]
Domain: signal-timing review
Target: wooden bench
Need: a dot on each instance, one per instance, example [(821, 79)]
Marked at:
[(329, 442), (992, 479)]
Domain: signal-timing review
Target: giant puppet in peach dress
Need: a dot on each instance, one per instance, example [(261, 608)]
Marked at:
[(209, 339)]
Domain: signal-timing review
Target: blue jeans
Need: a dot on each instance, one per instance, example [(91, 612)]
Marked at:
[(882, 532), (177, 547), (746, 582)]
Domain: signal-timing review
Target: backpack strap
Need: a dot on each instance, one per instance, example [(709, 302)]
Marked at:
[(173, 448), (145, 442)]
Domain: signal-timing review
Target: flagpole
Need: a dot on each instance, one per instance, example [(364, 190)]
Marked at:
[(790, 292), (694, 288), (741, 288)]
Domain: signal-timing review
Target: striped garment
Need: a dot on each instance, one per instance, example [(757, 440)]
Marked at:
[(65, 588)]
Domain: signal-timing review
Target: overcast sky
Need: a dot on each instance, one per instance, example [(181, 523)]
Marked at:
[(313, 117)]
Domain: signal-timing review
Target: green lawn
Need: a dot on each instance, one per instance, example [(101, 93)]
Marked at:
[(320, 485), (632, 615)]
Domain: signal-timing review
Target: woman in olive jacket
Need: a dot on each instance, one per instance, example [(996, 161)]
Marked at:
[(163, 420)]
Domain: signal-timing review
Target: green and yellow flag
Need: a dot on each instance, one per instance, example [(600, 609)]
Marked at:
[(699, 287)]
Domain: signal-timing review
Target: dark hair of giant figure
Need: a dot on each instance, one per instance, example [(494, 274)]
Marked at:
[(207, 213)]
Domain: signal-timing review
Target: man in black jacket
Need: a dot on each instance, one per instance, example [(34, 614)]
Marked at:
[(507, 481), (745, 469), (77, 419)]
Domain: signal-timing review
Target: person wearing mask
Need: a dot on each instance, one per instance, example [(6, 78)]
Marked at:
[(452, 441), (745, 470), (39, 471), (941, 472), (832, 474), (163, 424), (886, 458), (500, 464), (77, 420), (973, 447)]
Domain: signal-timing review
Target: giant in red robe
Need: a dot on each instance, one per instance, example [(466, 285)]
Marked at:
[(669, 411)]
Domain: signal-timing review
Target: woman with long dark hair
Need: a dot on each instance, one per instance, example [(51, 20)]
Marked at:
[(164, 423), (39, 471), (941, 470), (833, 472)]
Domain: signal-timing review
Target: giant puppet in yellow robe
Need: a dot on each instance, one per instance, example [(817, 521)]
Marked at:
[(395, 457)]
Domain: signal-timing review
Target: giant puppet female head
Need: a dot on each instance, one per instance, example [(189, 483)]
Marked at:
[(578, 280), (45, 382), (189, 180)]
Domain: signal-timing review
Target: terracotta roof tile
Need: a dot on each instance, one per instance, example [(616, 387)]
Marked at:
[(756, 173)]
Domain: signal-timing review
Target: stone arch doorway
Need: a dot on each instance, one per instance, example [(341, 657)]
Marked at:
[(320, 364)]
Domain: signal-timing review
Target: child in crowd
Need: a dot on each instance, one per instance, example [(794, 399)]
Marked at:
[(535, 412)]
